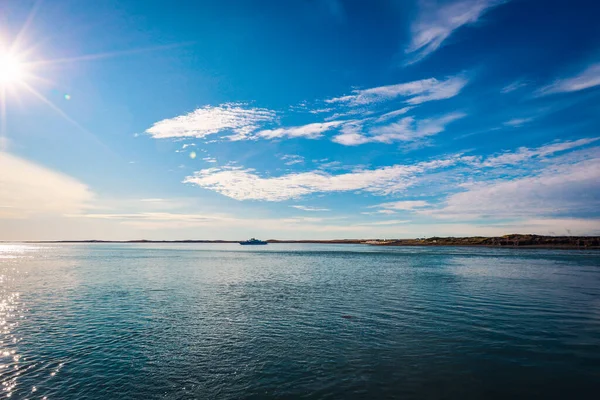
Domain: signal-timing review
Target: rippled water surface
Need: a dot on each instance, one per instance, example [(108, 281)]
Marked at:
[(108, 321)]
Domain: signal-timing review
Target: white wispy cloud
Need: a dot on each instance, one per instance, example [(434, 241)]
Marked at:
[(321, 110), (559, 189), (351, 135), (586, 79), (27, 188), (351, 139), (408, 129), (325, 164), (245, 184), (524, 153), (393, 114), (385, 212), (309, 131), (308, 208), (402, 205), (436, 22), (291, 159), (387, 222), (361, 112), (513, 86), (518, 122), (209, 120), (415, 92)]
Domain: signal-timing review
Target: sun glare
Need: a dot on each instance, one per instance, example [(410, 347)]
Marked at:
[(11, 70)]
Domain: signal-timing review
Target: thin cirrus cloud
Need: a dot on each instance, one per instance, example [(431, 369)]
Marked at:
[(309, 131), (436, 23), (408, 129), (588, 78), (209, 120), (393, 114), (387, 222), (518, 122), (379, 212), (308, 208), (245, 184), (513, 87), (405, 205), (524, 154), (560, 189), (292, 159), (415, 92)]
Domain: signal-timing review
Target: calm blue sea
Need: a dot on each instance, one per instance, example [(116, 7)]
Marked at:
[(203, 321)]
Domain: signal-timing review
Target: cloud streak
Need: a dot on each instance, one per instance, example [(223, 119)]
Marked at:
[(415, 92), (245, 184), (518, 122), (405, 205), (292, 159), (513, 87), (309, 131), (408, 129), (586, 79), (311, 209), (563, 189), (209, 120), (437, 22), (524, 154), (393, 114)]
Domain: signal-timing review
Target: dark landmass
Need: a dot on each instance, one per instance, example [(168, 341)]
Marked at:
[(515, 240), (508, 241)]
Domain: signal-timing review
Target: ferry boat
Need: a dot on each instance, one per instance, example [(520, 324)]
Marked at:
[(253, 241)]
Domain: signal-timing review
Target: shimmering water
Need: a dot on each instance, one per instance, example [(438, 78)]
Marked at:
[(297, 321)]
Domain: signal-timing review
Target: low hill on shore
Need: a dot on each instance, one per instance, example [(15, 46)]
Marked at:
[(514, 240)]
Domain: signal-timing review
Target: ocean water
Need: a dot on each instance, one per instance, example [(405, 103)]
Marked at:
[(154, 321)]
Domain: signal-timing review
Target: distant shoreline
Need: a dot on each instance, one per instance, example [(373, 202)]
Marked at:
[(507, 241)]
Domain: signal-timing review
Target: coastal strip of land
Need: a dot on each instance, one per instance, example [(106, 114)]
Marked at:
[(514, 240), (507, 241)]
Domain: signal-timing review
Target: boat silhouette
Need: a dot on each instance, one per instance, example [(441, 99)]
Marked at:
[(253, 241)]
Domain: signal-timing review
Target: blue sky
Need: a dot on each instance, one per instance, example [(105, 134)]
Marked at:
[(299, 119)]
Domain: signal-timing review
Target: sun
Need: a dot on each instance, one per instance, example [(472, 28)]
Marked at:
[(12, 70)]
